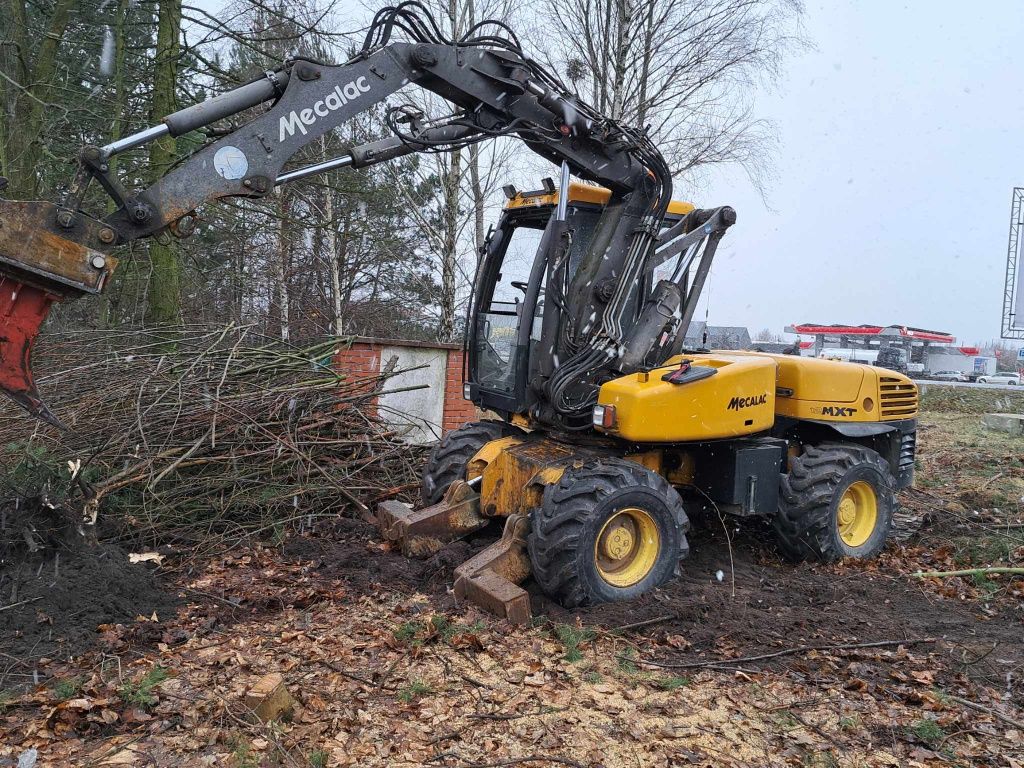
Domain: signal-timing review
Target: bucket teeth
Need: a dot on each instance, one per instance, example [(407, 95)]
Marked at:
[(23, 308)]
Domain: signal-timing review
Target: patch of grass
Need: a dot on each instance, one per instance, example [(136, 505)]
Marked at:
[(318, 759), (66, 688), (820, 760), (670, 682), (408, 630), (244, 756), (627, 661), (967, 464), (784, 719), (592, 677), (850, 723), (441, 625), (140, 693), (415, 690), (437, 628), (940, 399), (572, 637), (989, 587), (927, 731)]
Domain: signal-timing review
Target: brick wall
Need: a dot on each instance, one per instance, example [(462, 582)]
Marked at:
[(457, 411), (363, 359), (360, 361)]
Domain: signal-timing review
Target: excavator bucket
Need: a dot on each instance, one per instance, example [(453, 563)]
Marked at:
[(23, 308), (46, 255)]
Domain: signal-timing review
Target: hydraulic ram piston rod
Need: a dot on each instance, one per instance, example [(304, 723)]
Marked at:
[(205, 112)]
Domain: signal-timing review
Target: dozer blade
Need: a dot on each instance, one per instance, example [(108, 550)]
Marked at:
[(23, 308), (46, 255)]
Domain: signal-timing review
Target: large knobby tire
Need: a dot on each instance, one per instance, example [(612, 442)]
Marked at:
[(837, 501), (616, 504), (448, 459)]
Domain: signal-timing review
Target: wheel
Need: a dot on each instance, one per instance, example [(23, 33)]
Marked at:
[(608, 530), (837, 501), (1011, 383), (983, 380), (448, 459)]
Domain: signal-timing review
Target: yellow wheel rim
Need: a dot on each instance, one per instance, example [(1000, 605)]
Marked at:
[(627, 547), (857, 515)]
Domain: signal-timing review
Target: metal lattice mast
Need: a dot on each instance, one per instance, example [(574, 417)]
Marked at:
[(1012, 326)]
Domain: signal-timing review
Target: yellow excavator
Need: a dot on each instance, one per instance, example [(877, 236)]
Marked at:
[(607, 428), (596, 507)]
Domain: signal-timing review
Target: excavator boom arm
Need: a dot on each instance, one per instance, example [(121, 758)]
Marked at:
[(52, 252)]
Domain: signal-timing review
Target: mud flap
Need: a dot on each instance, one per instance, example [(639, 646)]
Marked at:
[(23, 309)]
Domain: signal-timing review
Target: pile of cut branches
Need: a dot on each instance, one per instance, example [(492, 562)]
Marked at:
[(225, 433)]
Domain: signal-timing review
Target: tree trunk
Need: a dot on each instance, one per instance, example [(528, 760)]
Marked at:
[(280, 267), (32, 93), (331, 260), (105, 305), (163, 305), (478, 197), (449, 252), (623, 35)]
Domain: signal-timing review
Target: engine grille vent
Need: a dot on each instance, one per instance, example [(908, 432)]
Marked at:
[(908, 445), (899, 398)]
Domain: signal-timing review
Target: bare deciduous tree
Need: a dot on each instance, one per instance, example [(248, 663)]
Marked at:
[(686, 68)]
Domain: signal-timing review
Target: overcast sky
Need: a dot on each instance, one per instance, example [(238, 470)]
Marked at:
[(899, 149)]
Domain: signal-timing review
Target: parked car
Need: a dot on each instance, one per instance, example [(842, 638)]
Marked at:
[(950, 376), (1011, 379)]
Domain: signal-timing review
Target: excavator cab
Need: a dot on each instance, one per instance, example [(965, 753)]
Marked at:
[(505, 322)]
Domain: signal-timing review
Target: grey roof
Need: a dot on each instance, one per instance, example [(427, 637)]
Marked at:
[(719, 336)]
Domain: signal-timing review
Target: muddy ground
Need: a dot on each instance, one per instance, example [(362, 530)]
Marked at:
[(739, 625), (735, 596), (60, 582)]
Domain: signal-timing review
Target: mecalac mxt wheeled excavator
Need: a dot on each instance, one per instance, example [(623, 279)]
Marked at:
[(608, 428)]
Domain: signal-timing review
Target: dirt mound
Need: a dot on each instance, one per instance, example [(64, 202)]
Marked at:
[(57, 586)]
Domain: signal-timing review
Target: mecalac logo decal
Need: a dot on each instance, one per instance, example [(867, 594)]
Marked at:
[(335, 100), (745, 402)]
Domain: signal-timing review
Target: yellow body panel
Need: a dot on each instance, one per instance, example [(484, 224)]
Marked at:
[(738, 400), (829, 390), (515, 471), (583, 193), (650, 410)]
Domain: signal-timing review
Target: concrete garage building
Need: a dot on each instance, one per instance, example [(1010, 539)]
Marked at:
[(424, 400)]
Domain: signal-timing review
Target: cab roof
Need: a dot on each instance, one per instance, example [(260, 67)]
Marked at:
[(580, 193)]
